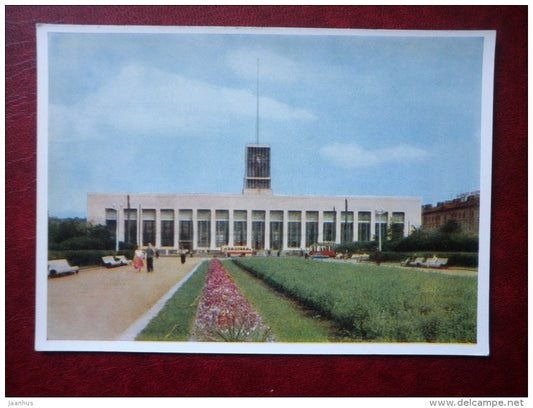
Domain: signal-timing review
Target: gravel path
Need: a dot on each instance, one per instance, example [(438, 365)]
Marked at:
[(100, 303)]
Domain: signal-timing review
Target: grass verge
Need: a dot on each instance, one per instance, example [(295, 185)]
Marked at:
[(288, 322), (175, 320)]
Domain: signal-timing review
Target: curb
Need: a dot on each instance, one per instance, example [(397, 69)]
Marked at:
[(131, 333)]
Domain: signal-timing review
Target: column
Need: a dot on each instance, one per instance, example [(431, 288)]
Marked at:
[(120, 222), (231, 220), (195, 229), (320, 226), (338, 214), (267, 230), (303, 223), (140, 226), (373, 225), (213, 227), (249, 228), (355, 225), (176, 228), (285, 230), (157, 242)]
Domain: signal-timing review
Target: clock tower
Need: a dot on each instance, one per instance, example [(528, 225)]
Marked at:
[(257, 177)]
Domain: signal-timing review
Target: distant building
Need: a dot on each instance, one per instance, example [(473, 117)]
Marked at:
[(464, 209), (256, 219)]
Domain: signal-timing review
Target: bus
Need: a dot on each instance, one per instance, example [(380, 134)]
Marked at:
[(236, 251), (326, 249)]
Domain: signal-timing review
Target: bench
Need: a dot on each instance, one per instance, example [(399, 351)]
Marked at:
[(122, 259), (361, 257), (418, 262), (60, 266), (110, 261), (436, 262), (407, 262)]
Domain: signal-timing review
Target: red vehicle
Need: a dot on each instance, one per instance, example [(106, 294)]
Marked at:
[(324, 250)]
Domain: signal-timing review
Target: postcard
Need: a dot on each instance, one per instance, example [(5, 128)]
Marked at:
[(263, 190)]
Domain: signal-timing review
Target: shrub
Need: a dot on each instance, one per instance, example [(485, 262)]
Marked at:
[(80, 257)]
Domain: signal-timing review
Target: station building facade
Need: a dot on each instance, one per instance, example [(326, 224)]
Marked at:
[(256, 219)]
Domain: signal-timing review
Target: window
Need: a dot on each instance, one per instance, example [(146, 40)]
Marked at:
[(148, 227), (111, 222), (186, 229), (294, 231), (204, 228), (167, 228), (258, 229), (329, 231), (222, 228), (363, 226), (381, 226), (239, 228), (398, 225), (346, 227), (130, 226), (311, 228), (276, 230)]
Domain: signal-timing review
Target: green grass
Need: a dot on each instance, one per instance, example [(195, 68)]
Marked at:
[(308, 301), (288, 322), (175, 320), (378, 304)]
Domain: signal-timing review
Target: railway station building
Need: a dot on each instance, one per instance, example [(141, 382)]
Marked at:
[(256, 218)]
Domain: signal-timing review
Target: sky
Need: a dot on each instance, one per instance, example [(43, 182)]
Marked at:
[(344, 115)]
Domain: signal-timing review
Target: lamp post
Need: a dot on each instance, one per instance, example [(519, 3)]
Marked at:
[(379, 213), (117, 208), (378, 254)]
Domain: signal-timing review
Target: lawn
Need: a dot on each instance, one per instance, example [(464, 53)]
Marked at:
[(314, 301), (377, 304)]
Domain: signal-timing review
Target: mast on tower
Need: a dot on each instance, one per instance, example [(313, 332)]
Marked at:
[(257, 161)]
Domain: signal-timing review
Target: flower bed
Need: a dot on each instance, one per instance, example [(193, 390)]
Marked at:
[(223, 312)]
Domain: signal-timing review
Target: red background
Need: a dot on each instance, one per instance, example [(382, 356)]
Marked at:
[(503, 373)]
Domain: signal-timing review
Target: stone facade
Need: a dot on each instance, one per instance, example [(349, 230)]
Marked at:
[(464, 209), (261, 221)]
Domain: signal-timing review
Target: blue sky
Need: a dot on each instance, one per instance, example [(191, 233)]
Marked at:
[(344, 115)]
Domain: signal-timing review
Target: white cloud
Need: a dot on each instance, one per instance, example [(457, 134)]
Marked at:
[(150, 101), (351, 155)]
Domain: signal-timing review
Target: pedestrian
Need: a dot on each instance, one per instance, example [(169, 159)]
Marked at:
[(182, 256), (150, 258), (378, 257), (138, 259)]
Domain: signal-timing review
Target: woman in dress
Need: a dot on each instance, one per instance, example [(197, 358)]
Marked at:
[(138, 259)]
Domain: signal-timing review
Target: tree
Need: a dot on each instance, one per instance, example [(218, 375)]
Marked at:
[(76, 234), (450, 227)]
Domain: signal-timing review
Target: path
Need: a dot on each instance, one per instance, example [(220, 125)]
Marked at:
[(100, 303)]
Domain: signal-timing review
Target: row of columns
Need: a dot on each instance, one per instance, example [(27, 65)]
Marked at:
[(339, 220)]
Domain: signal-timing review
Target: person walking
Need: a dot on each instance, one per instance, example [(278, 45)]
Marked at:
[(138, 259), (150, 258)]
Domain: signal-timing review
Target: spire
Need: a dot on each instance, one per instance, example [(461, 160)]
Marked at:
[(257, 106)]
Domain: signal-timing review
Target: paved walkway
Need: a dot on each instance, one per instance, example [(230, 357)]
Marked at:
[(100, 303)]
